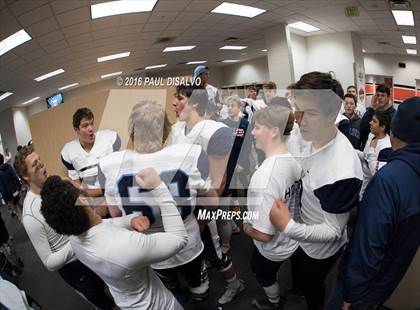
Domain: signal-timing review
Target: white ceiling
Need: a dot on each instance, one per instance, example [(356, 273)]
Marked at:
[(64, 36)]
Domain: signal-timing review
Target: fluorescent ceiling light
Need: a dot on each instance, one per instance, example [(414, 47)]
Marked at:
[(233, 47), (48, 75), (121, 7), (238, 10), (403, 18), (303, 27), (68, 86), (155, 67), (230, 60), (196, 62), (110, 74), (363, 50), (178, 48), (5, 95), (113, 56), (409, 39), (411, 51), (264, 50), (13, 41), (30, 100)]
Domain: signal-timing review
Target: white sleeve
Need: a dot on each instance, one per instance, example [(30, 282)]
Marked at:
[(148, 249), (53, 261), (122, 221), (330, 229), (261, 201)]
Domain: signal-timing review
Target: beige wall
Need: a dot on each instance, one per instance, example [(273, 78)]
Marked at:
[(51, 129)]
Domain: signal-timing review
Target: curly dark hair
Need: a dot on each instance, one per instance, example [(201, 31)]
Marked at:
[(60, 209)]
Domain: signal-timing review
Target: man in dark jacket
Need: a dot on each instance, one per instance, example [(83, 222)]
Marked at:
[(9, 182), (387, 232), (379, 102), (350, 104)]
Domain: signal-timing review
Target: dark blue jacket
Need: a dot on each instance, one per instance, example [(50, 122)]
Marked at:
[(387, 232), (9, 182)]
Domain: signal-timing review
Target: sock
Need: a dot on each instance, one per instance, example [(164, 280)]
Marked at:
[(273, 293), (233, 282)]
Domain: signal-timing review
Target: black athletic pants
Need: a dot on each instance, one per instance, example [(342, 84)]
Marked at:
[(309, 275), (86, 282)]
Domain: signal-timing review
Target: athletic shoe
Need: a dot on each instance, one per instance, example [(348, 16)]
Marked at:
[(199, 297), (231, 292), (265, 304)]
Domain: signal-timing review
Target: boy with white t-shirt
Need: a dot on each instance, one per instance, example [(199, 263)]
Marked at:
[(330, 186), (278, 175)]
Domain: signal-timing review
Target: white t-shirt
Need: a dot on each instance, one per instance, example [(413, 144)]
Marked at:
[(278, 176), (322, 233), (82, 165), (178, 168), (370, 162), (53, 249), (122, 257)]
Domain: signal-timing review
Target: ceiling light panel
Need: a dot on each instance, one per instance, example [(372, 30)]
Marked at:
[(238, 10), (121, 7), (13, 41), (113, 56), (303, 27)]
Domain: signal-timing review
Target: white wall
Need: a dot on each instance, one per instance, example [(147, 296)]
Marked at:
[(299, 51), (332, 52), (384, 64), (23, 132), (255, 70), (7, 131)]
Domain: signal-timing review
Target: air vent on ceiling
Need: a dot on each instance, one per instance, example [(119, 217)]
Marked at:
[(401, 65), (163, 40), (232, 39), (404, 5), (384, 43), (138, 69), (181, 63)]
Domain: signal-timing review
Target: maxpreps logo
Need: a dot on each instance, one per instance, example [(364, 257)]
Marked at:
[(219, 214)]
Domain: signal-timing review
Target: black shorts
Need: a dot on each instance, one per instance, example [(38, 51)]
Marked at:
[(192, 272), (265, 270)]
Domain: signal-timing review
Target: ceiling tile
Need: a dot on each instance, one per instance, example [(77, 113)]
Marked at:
[(23, 6), (61, 6), (103, 23), (74, 17), (35, 15), (159, 17), (9, 25), (106, 33), (77, 29), (137, 18), (42, 27), (155, 26), (50, 38), (82, 38), (171, 5)]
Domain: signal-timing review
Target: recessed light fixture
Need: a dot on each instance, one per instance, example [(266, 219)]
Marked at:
[(363, 50), (155, 67), (264, 50), (178, 48), (230, 60), (303, 27), (13, 41), (403, 18), (196, 62), (113, 56), (110, 74), (48, 75), (411, 51), (409, 39), (30, 100), (238, 10), (233, 47), (68, 86), (121, 7), (5, 95)]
